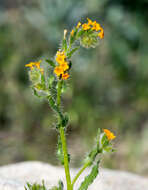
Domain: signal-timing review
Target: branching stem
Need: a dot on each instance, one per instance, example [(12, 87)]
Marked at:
[(80, 172)]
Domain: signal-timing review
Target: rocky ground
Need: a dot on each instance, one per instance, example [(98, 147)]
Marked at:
[(14, 177)]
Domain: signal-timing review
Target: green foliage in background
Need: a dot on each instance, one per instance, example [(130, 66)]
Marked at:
[(115, 96)]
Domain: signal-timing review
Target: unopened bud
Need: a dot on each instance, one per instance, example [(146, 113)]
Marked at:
[(65, 33), (89, 40)]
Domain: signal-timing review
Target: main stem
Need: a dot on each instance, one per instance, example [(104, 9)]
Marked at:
[(63, 140), (66, 163)]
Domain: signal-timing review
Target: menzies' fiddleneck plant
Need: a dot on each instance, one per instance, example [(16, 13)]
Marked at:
[(50, 83)]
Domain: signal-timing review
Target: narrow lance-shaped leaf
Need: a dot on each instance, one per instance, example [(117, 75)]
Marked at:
[(104, 141), (64, 44), (72, 51), (73, 37), (55, 107), (50, 81), (36, 186), (95, 151), (80, 33), (61, 185), (35, 93), (90, 178), (42, 77), (50, 62), (65, 120), (92, 155)]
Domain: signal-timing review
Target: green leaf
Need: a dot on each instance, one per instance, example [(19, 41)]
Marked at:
[(43, 80), (65, 120), (70, 65), (108, 149), (36, 186), (72, 51), (96, 150), (61, 185), (98, 138), (40, 86), (35, 93), (98, 133), (69, 158), (53, 105), (64, 44), (104, 141), (50, 81), (64, 87), (50, 62), (55, 108), (51, 102), (90, 178), (92, 155), (80, 33), (73, 38)]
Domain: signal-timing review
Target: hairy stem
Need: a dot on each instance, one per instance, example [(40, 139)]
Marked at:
[(80, 172), (66, 163), (63, 140)]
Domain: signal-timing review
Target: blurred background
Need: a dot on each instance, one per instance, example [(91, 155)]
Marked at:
[(109, 86)]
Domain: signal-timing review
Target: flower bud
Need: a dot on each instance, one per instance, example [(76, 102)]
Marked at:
[(65, 33), (89, 40), (35, 76)]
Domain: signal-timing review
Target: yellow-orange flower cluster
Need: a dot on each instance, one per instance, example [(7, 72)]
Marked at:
[(109, 134), (35, 64), (63, 66), (93, 25), (77, 27), (86, 26)]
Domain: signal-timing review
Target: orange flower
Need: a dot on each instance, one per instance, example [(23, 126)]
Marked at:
[(96, 26), (72, 32), (90, 22), (109, 134), (86, 26), (78, 25), (65, 76), (60, 57), (60, 53), (37, 64), (101, 33), (64, 65), (31, 64), (58, 70)]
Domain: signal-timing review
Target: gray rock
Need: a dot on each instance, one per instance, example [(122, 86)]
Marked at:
[(15, 176)]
